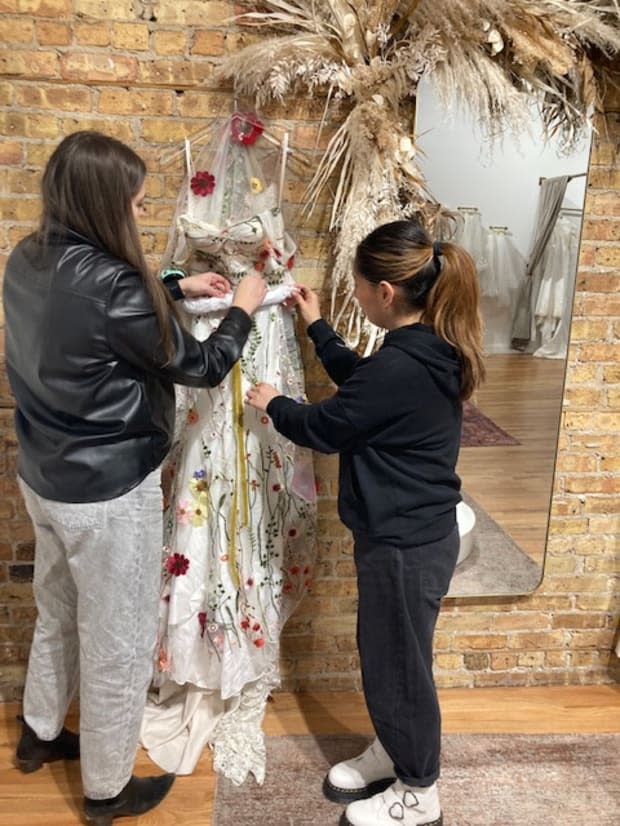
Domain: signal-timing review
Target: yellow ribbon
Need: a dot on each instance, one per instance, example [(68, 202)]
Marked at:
[(241, 480)]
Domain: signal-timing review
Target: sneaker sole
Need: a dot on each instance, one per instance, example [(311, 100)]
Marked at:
[(337, 795), (438, 822)]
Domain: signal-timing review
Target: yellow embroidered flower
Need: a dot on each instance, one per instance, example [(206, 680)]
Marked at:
[(256, 185)]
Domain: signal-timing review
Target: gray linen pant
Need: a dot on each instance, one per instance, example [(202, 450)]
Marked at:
[(96, 586)]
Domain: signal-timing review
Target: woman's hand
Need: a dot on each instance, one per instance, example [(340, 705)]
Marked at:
[(307, 302), (260, 395), (210, 284), (250, 293)]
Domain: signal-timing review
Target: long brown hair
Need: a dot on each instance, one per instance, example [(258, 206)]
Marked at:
[(88, 186), (440, 279)]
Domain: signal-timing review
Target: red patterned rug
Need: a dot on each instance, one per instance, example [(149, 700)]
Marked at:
[(480, 431)]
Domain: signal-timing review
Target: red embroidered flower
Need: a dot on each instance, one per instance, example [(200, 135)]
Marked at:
[(245, 129), (264, 419), (177, 564), (292, 532), (203, 183), (192, 416), (256, 626), (259, 643), (202, 619), (245, 623), (290, 263), (250, 582), (295, 570), (287, 587)]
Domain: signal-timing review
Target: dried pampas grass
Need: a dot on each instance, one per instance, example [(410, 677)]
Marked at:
[(496, 56)]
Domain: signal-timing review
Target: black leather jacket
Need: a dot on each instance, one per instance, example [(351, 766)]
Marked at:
[(95, 406)]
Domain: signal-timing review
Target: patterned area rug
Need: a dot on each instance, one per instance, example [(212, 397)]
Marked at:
[(487, 780), (496, 564), (480, 431)]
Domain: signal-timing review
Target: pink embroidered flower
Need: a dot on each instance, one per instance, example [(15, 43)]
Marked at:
[(192, 416), (254, 484), (203, 183), (264, 419), (245, 129), (245, 623), (250, 581), (256, 626), (177, 564), (287, 587), (163, 661), (184, 512), (224, 558), (259, 642)]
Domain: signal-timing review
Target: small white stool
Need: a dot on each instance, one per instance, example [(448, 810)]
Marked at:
[(466, 520)]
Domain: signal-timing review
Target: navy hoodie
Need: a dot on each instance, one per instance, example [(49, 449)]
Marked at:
[(396, 422)]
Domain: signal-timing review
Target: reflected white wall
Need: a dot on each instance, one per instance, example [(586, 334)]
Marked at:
[(463, 169)]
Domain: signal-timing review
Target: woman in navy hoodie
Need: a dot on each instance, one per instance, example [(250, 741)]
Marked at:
[(395, 420)]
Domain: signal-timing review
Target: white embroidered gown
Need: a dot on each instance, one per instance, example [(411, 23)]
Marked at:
[(240, 523)]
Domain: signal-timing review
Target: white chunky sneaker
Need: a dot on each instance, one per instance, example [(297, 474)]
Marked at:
[(362, 776), (399, 805)]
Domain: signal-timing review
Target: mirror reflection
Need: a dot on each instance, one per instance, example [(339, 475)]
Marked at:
[(519, 210)]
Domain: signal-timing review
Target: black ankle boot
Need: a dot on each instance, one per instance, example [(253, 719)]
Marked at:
[(32, 752), (139, 796)]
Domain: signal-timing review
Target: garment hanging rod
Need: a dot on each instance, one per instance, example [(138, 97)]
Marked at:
[(572, 210), (467, 209), (570, 177), (500, 229)]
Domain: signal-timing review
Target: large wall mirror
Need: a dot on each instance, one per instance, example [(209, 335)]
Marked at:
[(518, 200)]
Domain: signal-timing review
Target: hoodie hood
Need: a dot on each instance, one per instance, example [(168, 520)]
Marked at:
[(420, 342)]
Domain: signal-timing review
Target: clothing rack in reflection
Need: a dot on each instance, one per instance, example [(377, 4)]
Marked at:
[(500, 229), (571, 211), (467, 209), (570, 177)]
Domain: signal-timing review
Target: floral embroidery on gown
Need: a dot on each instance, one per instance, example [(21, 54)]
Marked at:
[(240, 520)]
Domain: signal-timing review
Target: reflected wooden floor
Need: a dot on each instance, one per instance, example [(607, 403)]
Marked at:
[(523, 395), (52, 795)]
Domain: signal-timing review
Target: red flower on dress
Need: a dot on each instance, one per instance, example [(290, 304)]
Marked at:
[(202, 619), (245, 129), (290, 263), (277, 487), (245, 623), (177, 564), (203, 183), (259, 642)]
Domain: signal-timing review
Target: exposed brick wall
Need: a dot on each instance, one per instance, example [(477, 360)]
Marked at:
[(142, 70)]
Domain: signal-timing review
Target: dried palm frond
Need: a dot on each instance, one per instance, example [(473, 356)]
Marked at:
[(496, 56)]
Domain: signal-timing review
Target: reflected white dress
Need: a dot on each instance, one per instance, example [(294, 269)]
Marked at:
[(554, 298)]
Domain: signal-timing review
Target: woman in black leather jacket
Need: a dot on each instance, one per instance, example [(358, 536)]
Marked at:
[(93, 350)]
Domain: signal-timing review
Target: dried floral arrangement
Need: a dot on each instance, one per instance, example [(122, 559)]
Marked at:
[(367, 56)]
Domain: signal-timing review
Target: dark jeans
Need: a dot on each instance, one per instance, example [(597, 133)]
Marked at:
[(400, 591)]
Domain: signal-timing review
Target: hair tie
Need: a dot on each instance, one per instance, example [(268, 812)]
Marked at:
[(436, 254)]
